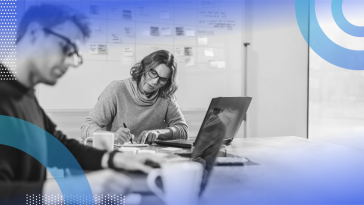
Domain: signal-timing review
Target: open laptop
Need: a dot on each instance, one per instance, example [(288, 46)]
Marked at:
[(223, 119)]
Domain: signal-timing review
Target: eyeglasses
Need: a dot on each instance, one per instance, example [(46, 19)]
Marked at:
[(70, 49), (153, 74)]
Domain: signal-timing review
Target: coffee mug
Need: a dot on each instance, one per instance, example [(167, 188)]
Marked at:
[(102, 140), (181, 182)]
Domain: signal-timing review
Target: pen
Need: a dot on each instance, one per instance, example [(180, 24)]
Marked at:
[(127, 127)]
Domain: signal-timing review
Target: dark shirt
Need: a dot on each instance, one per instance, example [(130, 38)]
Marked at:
[(20, 173)]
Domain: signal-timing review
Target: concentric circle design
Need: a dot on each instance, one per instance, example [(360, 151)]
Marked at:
[(322, 45)]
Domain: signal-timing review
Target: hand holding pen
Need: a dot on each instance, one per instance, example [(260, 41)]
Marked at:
[(123, 135), (130, 135)]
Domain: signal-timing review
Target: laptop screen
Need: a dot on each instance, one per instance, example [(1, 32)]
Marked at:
[(222, 120)]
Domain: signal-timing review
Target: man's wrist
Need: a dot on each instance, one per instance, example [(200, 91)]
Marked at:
[(104, 160), (111, 160)]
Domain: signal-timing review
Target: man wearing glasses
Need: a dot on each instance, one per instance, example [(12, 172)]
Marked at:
[(45, 49)]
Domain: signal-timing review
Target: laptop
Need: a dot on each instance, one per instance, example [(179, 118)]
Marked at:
[(223, 119), (225, 113)]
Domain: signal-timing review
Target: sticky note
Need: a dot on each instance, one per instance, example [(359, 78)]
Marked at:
[(202, 40), (128, 52), (164, 15), (166, 31), (190, 32), (154, 31), (94, 10), (180, 31), (102, 49), (221, 64), (190, 61), (129, 31), (142, 10), (188, 51), (115, 37), (179, 51), (209, 53), (92, 49), (127, 15)]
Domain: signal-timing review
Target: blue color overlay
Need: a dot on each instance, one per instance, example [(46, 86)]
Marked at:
[(20, 135), (341, 21), (320, 43)]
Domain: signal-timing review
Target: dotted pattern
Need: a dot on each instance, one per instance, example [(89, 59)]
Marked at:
[(75, 199), (8, 38)]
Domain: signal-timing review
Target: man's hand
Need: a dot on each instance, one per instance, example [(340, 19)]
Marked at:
[(148, 137), (131, 162), (123, 135)]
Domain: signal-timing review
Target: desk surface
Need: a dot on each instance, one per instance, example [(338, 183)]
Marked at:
[(291, 170)]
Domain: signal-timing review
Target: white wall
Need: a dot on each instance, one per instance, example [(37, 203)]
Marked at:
[(277, 70)]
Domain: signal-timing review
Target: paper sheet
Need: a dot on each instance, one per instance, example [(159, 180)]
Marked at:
[(115, 37), (179, 51), (209, 52), (202, 40), (171, 149), (102, 49), (127, 15), (128, 52), (154, 31), (92, 49), (180, 31), (188, 51), (142, 10), (166, 31), (190, 61), (190, 32), (129, 31), (221, 64), (94, 9)]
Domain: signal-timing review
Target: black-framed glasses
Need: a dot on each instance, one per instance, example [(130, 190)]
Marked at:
[(153, 74), (70, 49)]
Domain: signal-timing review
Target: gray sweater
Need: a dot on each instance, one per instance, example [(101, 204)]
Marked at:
[(119, 103)]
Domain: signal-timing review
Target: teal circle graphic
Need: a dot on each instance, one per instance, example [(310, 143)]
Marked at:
[(322, 45), (345, 25), (23, 135)]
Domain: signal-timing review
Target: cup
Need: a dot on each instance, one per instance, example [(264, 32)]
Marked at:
[(181, 182), (102, 140)]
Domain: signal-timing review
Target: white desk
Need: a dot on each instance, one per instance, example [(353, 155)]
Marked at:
[(291, 170)]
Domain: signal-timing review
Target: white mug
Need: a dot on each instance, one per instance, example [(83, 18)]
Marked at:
[(102, 140), (181, 182)]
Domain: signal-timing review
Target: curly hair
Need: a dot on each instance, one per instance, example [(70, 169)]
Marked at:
[(152, 61)]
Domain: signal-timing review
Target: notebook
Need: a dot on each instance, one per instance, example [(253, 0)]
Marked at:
[(224, 117)]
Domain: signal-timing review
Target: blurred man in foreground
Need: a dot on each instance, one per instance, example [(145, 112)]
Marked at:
[(46, 47)]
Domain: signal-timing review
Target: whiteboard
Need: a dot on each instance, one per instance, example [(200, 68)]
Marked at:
[(205, 36)]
